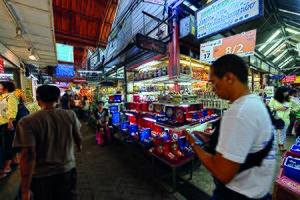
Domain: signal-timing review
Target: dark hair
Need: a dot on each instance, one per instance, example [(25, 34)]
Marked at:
[(233, 64), (279, 94), (85, 97), (100, 102), (8, 85), (48, 93), (293, 91)]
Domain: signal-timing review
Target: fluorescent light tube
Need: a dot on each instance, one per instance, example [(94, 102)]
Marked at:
[(292, 31), (278, 48), (286, 63), (269, 40), (273, 47), (282, 54), (286, 11)]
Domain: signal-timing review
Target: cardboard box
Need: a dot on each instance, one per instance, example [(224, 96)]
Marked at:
[(286, 189)]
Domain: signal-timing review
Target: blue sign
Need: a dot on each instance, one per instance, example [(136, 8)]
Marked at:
[(64, 70), (64, 53), (225, 14)]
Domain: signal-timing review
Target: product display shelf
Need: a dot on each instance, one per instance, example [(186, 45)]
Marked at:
[(175, 104), (152, 80), (146, 93), (197, 125)]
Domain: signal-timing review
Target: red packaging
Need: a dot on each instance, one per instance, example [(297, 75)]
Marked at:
[(137, 107), (111, 99), (144, 107), (137, 99), (158, 108), (175, 134), (132, 119), (156, 129), (179, 114), (130, 106), (140, 122)]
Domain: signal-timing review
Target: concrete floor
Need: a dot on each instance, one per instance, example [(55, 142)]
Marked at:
[(203, 179), (112, 172)]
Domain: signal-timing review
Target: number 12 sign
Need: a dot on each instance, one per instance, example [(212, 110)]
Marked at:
[(241, 44)]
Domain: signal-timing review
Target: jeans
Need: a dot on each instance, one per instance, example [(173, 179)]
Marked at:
[(55, 187), (281, 134)]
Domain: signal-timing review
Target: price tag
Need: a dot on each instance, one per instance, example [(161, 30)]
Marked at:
[(206, 53)]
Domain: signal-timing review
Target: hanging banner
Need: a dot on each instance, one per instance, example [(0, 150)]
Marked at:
[(1, 65), (241, 44), (289, 79), (224, 14)]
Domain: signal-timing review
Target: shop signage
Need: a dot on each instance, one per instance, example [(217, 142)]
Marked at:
[(79, 80), (1, 65), (289, 79), (150, 44), (187, 26), (93, 78), (297, 79), (224, 14), (241, 44)]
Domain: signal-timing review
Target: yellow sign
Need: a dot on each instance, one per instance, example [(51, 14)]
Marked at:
[(297, 79)]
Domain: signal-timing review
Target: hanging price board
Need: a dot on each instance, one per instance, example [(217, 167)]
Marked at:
[(241, 44)]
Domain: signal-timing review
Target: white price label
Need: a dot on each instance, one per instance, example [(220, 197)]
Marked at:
[(206, 54)]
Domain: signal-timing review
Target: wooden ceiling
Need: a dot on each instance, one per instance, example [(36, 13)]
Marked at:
[(83, 24)]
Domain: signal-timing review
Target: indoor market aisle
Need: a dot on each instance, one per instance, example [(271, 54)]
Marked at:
[(111, 172)]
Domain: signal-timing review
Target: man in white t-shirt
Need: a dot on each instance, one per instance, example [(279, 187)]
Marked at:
[(245, 129)]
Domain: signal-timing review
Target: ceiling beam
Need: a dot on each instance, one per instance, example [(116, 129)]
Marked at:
[(72, 12)]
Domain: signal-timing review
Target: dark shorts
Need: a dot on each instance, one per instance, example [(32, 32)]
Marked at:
[(55, 187), (7, 140)]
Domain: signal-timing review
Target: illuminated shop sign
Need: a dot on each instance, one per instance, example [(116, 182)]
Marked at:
[(241, 44), (224, 14), (1, 65)]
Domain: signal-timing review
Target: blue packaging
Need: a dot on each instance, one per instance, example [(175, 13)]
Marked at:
[(116, 118), (117, 98), (196, 116), (292, 168), (170, 112), (182, 142), (124, 125), (113, 109), (133, 128), (166, 134), (295, 149), (160, 118), (145, 133)]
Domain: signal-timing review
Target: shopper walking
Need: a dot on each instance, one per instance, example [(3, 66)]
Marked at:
[(8, 112), (293, 93), (243, 166), (64, 102), (47, 139), (85, 108), (281, 104)]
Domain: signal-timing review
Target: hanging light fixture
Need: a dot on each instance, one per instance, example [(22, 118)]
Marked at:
[(18, 33), (32, 55)]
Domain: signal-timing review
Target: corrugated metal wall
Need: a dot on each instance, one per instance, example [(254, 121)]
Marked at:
[(135, 22)]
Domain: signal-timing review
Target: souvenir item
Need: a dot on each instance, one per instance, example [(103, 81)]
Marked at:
[(124, 125), (176, 150), (170, 110), (161, 98), (177, 98), (165, 135), (150, 107), (158, 108), (115, 118), (179, 114)]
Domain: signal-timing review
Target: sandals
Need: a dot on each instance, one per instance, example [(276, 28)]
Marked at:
[(3, 171), (3, 176)]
